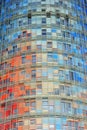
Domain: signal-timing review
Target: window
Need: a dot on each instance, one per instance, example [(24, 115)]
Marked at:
[(14, 48), (24, 34), (39, 89), (50, 57), (66, 90), (71, 75), (49, 45), (48, 14), (43, 10), (70, 123), (43, 32), (61, 73), (29, 16), (27, 92), (58, 21), (44, 73), (15, 111), (57, 15), (23, 59), (39, 127), (66, 107), (43, 20), (23, 72), (70, 60), (29, 34), (33, 58), (67, 20), (55, 57), (67, 34), (12, 75), (21, 123), (20, 23), (33, 73), (29, 48), (51, 108), (33, 105), (27, 104), (45, 104), (33, 92), (56, 91), (39, 47), (29, 21), (22, 88), (14, 124), (75, 111), (32, 121)]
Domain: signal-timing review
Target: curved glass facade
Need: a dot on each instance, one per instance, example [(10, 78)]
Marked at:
[(43, 65)]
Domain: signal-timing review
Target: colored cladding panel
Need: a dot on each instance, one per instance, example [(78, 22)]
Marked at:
[(43, 65)]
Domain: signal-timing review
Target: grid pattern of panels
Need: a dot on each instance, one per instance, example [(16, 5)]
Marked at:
[(43, 64), (44, 123)]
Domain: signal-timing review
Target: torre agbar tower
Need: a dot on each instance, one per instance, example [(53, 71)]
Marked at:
[(43, 64)]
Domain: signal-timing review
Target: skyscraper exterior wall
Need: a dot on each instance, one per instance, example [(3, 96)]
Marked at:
[(43, 65)]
